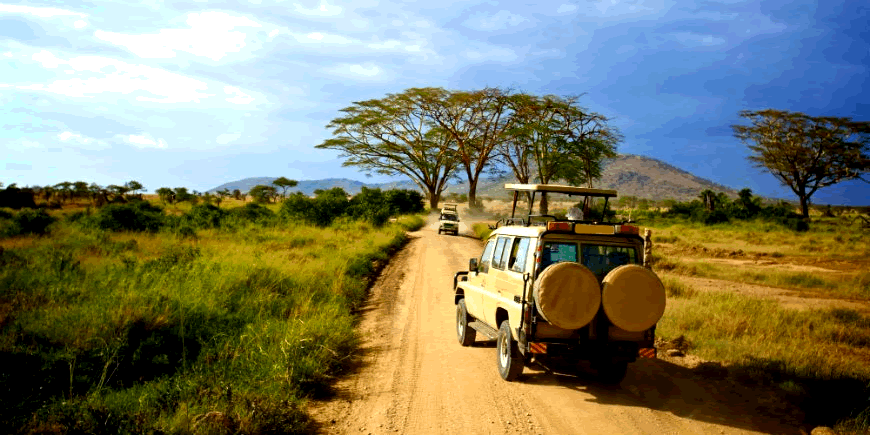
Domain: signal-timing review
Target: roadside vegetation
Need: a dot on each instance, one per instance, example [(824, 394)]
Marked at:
[(132, 318)]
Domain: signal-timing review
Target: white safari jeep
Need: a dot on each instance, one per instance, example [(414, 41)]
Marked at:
[(573, 289), (449, 220)]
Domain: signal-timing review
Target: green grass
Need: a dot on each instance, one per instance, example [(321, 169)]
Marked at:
[(481, 230), (227, 332), (818, 358), (844, 285)]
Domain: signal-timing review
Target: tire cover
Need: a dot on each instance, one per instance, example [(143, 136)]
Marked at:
[(567, 295), (633, 297)]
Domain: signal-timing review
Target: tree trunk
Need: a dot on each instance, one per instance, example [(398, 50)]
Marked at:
[(434, 198), (545, 205), (472, 194), (805, 206)]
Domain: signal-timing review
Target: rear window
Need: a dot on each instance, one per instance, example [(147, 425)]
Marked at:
[(599, 258)]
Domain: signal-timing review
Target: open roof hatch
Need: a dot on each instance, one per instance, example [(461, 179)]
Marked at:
[(554, 188)]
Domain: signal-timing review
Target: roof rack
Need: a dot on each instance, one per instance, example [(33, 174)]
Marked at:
[(552, 188)]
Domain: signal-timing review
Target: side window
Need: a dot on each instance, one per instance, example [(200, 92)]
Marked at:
[(519, 251), (498, 256), (483, 264)]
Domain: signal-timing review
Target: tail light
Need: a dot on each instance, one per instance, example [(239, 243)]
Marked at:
[(625, 229), (558, 226)]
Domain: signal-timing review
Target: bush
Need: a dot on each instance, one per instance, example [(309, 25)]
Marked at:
[(27, 221), (204, 216), (371, 206), (135, 216), (252, 212), (320, 211), (404, 201)]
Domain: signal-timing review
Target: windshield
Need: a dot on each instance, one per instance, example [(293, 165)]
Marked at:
[(449, 217)]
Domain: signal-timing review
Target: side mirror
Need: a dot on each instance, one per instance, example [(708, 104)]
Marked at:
[(472, 265)]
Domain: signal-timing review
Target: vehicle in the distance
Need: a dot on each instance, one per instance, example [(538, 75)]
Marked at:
[(448, 222), (571, 289)]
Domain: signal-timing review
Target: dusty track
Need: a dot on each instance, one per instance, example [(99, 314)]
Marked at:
[(412, 376)]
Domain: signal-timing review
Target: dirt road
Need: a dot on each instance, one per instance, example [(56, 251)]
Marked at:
[(413, 377)]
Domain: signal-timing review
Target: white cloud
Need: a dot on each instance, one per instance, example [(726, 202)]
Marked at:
[(144, 141), (81, 141), (39, 12), (101, 75), (364, 72), (237, 96), (499, 20), (210, 35), (227, 138), (80, 24), (324, 9)]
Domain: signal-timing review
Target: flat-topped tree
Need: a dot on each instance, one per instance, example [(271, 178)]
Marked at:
[(396, 135), (804, 152), (284, 183)]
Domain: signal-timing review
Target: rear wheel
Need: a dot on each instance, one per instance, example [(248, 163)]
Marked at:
[(510, 360), (464, 333)]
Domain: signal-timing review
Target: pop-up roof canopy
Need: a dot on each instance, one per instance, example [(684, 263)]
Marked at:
[(559, 188), (555, 188)]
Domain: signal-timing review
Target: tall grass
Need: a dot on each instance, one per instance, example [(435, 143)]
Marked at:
[(150, 332), (818, 358)]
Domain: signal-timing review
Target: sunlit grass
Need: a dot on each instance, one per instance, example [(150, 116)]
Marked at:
[(817, 357), (139, 332)]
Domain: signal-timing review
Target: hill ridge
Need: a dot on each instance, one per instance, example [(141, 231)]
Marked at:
[(628, 174)]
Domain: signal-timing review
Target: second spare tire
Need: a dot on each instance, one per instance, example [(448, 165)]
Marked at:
[(633, 297), (567, 295)]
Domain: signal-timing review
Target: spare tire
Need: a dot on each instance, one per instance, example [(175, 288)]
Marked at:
[(567, 295), (633, 297)]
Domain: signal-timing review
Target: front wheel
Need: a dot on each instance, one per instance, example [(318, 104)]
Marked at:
[(510, 360), (464, 333)]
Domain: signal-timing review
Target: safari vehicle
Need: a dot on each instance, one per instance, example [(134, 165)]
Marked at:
[(449, 222), (449, 207), (572, 289)]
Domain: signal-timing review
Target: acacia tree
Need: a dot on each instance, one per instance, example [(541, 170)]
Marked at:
[(262, 193), (166, 194), (284, 183), (476, 121), (553, 138), (395, 135), (806, 153)]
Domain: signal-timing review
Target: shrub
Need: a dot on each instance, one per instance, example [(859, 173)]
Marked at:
[(371, 206), (404, 201), (27, 221), (135, 216), (320, 211), (204, 216), (252, 212)]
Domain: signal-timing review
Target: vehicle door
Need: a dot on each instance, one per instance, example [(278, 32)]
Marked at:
[(510, 270), (477, 281), (496, 280)]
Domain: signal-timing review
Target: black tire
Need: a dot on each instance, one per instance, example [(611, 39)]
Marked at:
[(464, 333), (508, 356), (612, 373), (439, 231)]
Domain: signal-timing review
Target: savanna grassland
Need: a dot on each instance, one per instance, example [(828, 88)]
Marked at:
[(761, 304), (199, 319)]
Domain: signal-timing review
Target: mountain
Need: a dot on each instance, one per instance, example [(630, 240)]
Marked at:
[(629, 175)]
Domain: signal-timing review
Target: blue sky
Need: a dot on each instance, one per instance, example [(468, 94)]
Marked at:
[(197, 93)]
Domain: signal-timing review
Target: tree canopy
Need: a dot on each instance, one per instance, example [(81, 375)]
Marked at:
[(806, 153), (396, 135)]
